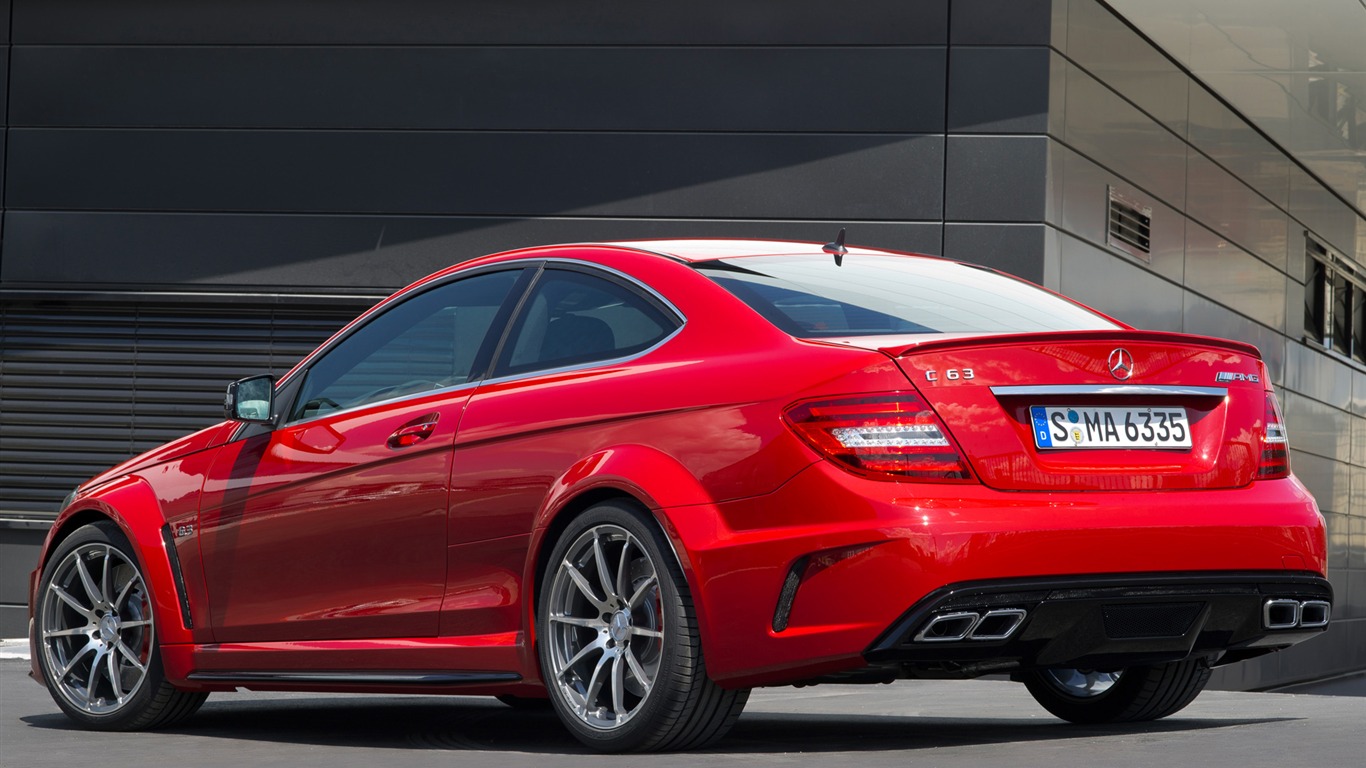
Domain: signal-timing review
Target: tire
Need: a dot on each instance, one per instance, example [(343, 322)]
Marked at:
[(1129, 695), (618, 641), (95, 632)]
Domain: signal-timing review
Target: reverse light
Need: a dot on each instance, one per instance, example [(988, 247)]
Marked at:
[(886, 437), (1275, 460)]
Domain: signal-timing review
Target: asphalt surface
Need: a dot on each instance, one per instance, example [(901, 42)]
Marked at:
[(929, 723)]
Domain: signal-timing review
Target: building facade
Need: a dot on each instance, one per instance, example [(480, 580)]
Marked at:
[(196, 192)]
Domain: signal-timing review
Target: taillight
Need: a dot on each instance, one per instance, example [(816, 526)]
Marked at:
[(1275, 445), (885, 437)]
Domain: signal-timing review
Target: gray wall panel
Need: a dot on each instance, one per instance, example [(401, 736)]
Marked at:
[(995, 178), (723, 22), (624, 88), (1014, 248), (1002, 22), (687, 175), (138, 250), (998, 90)]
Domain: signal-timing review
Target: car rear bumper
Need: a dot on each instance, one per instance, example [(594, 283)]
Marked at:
[(1103, 622), (800, 584)]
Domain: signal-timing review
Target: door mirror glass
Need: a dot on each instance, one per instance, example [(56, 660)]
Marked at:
[(251, 400)]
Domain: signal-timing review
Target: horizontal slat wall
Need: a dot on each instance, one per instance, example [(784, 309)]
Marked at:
[(85, 385)]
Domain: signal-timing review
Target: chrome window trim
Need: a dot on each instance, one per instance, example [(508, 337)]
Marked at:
[(1109, 389)]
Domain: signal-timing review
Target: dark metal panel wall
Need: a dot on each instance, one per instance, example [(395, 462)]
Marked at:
[(702, 175), (443, 22), (623, 88), (355, 252)]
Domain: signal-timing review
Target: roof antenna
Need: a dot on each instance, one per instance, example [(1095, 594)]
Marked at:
[(837, 249)]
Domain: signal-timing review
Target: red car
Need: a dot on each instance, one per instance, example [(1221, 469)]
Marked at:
[(638, 479)]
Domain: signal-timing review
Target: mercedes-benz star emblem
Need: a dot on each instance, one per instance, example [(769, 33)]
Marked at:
[(1121, 363)]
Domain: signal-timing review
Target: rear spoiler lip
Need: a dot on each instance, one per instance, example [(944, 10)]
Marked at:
[(1116, 336)]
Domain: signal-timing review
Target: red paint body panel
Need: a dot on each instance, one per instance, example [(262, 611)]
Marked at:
[(318, 546), (322, 530)]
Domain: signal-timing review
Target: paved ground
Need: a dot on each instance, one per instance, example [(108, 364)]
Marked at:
[(971, 723)]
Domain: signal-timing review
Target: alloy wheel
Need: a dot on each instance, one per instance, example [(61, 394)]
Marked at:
[(95, 629), (606, 628)]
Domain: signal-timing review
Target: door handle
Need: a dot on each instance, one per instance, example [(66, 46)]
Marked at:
[(414, 431)]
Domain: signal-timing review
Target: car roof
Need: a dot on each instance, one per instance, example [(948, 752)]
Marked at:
[(708, 249)]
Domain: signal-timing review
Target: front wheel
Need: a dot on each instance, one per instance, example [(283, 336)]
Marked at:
[(1127, 695), (95, 631), (618, 640)]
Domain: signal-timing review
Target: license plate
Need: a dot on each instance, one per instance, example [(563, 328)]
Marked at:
[(1090, 427)]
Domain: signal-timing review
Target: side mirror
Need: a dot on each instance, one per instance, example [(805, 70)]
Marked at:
[(251, 400)]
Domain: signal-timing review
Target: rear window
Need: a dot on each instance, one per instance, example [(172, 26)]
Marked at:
[(808, 296)]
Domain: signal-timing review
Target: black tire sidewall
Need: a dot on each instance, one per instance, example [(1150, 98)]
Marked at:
[(1101, 708), (670, 683), (135, 709)]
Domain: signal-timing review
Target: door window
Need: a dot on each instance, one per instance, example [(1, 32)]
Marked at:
[(431, 341)]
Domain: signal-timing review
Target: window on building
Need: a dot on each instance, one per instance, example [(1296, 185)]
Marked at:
[(1334, 302)]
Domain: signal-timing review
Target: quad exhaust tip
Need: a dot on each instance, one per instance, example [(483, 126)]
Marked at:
[(1283, 613), (998, 624)]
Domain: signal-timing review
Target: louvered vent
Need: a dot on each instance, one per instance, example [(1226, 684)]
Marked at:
[(1130, 225), (87, 384)]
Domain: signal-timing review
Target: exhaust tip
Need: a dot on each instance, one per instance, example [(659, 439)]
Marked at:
[(1281, 614), (998, 624), (948, 627), (1314, 613)]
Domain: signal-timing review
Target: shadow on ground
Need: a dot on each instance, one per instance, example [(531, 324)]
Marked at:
[(397, 723)]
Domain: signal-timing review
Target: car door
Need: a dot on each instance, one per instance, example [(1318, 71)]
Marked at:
[(333, 524), (558, 389)]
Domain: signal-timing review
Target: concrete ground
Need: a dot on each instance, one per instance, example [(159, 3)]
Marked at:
[(952, 723)]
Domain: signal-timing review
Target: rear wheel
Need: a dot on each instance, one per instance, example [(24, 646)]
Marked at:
[(1127, 695), (618, 640), (95, 631)]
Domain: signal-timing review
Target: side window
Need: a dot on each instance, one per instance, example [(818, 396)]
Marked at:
[(572, 318), (430, 341)]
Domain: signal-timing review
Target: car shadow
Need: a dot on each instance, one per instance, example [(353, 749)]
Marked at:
[(478, 725)]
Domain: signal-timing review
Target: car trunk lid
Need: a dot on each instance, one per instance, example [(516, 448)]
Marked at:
[(1113, 410)]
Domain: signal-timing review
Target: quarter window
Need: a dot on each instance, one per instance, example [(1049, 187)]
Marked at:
[(572, 318), (431, 341)]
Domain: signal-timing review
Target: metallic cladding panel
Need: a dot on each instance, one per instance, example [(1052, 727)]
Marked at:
[(490, 88), (535, 22), (359, 252)]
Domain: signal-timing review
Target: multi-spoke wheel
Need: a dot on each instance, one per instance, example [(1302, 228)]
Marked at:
[(1135, 693), (96, 636), (618, 641)]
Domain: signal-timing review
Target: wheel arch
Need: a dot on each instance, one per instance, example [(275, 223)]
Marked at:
[(639, 475), (130, 504)]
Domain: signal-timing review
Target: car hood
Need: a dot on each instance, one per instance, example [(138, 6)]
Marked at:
[(204, 439)]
